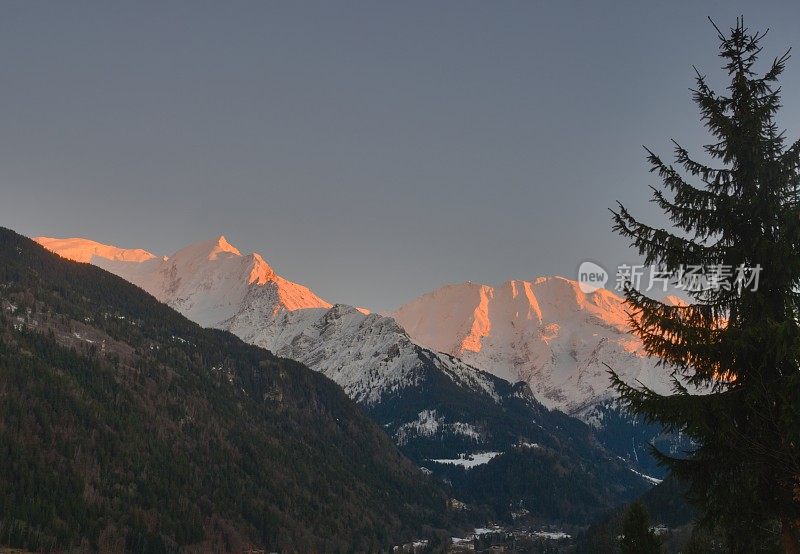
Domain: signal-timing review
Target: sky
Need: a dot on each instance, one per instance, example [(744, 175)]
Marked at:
[(370, 150)]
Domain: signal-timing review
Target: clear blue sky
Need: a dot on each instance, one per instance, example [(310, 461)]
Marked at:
[(371, 150)]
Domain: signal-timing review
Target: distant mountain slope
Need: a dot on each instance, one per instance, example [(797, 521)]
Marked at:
[(124, 426), (433, 405)]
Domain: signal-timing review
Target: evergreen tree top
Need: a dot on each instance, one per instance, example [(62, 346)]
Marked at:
[(733, 352)]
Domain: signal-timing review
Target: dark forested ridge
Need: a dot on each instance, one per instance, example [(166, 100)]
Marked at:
[(666, 506), (550, 466), (124, 426)]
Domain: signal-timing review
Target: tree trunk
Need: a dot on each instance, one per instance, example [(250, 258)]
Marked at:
[(791, 545)]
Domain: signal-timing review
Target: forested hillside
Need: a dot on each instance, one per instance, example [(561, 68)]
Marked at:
[(124, 426)]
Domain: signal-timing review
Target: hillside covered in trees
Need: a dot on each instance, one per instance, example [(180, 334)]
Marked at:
[(124, 426)]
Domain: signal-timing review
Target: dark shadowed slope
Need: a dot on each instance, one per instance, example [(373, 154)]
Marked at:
[(124, 425)]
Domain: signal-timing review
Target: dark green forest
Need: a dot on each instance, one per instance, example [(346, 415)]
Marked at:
[(124, 426)]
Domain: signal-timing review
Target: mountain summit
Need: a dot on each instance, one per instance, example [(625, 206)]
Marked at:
[(208, 281), (545, 332)]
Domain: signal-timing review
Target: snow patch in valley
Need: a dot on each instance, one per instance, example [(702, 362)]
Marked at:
[(552, 535), (469, 461)]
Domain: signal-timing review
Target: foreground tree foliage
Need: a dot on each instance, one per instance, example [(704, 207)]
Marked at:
[(733, 352), (637, 535)]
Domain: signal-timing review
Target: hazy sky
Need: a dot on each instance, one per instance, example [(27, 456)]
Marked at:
[(371, 150)]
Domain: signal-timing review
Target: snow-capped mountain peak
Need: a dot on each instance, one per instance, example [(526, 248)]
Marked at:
[(209, 281), (209, 250), (83, 250), (546, 332)]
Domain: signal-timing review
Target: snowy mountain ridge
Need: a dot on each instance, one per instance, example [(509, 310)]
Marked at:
[(84, 250), (209, 282), (215, 285), (545, 332)]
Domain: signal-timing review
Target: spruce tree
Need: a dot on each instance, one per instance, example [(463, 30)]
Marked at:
[(733, 351), (637, 536)]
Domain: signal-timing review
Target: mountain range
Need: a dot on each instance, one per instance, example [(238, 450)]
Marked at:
[(463, 370), (545, 332)]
